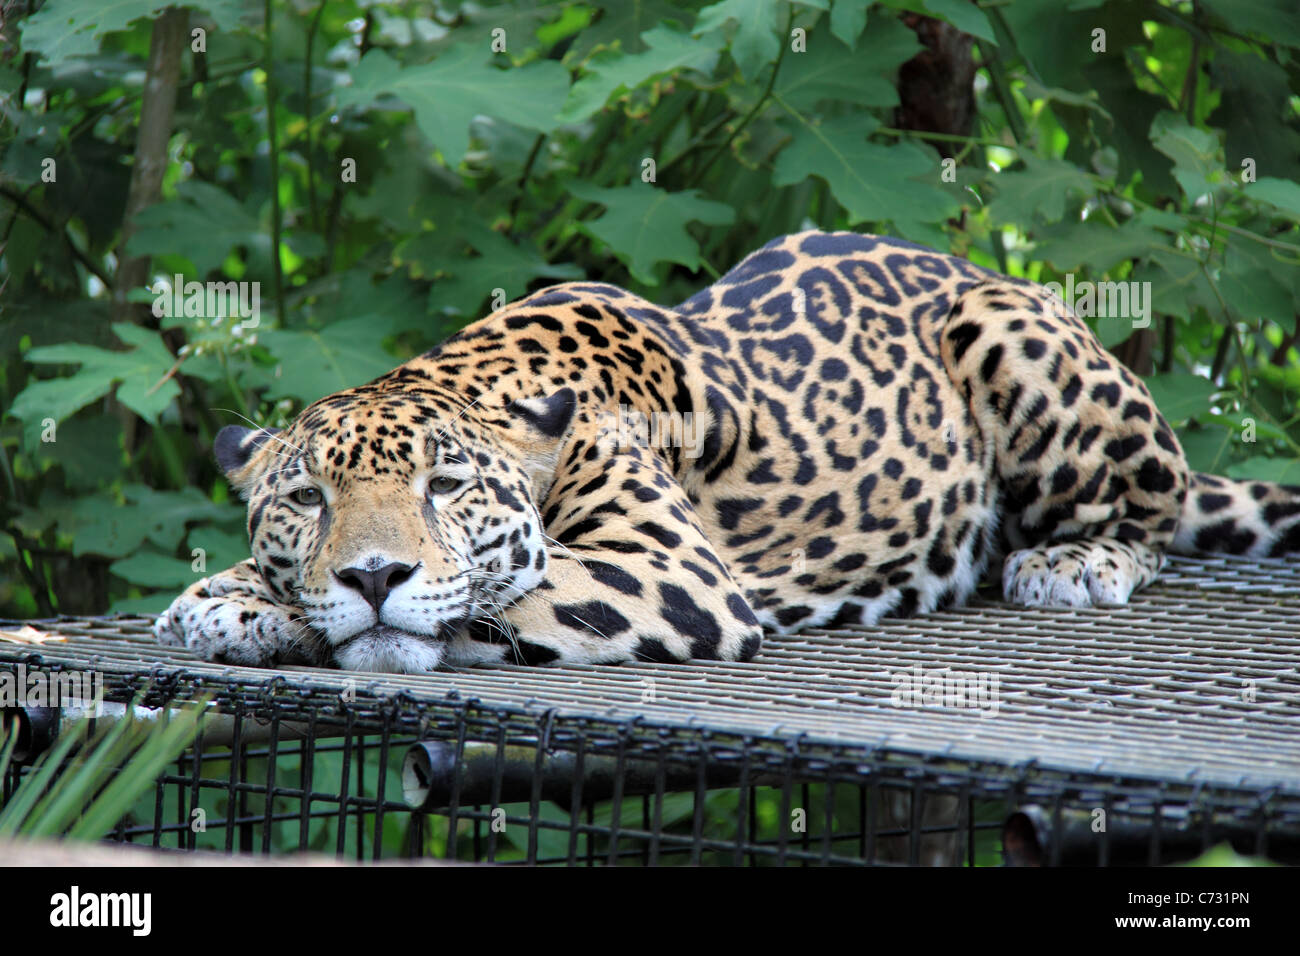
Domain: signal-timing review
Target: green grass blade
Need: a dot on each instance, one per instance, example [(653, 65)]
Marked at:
[(139, 775), (29, 791), (6, 752), (75, 786)]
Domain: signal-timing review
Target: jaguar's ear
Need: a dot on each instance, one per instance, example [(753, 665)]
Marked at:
[(545, 421), (549, 415), (235, 447)]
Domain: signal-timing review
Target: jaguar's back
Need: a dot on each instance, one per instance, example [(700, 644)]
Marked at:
[(856, 483)]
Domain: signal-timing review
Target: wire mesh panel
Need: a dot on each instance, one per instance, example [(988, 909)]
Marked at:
[(983, 735)]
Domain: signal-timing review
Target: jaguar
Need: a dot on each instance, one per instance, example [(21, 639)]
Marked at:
[(844, 426)]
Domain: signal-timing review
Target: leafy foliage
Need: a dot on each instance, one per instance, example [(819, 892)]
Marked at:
[(447, 93), (644, 226), (387, 171)]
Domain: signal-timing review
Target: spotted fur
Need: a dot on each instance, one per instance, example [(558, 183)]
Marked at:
[(862, 427)]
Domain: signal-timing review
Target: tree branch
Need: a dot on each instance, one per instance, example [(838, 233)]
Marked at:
[(157, 109), (20, 203), (698, 173), (273, 140), (307, 115)]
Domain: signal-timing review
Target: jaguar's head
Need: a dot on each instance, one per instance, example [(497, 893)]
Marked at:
[(394, 514)]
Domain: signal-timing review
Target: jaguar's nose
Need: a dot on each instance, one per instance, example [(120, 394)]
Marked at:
[(375, 585)]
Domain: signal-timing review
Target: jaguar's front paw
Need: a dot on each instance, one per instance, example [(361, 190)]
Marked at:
[(238, 629)]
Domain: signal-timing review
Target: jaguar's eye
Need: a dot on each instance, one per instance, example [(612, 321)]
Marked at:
[(443, 485), (308, 497)]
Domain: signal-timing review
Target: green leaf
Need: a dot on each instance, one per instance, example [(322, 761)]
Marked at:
[(155, 602), (104, 526), (1162, 221), (1057, 41), (623, 24), (1283, 470), (874, 183), (1255, 294), (1194, 151), (1178, 283), (152, 569), (1034, 90), (610, 71), (965, 16), (1111, 330), (29, 139), (1098, 246), (40, 321), (1255, 112), (1275, 20), (222, 547), (143, 389), (1277, 296), (460, 84), (500, 265), (407, 182), (202, 224), (1236, 422), (1207, 448), (393, 305), (1132, 112), (848, 17), (517, 19), (645, 225), (834, 72), (1282, 193), (755, 42), (1038, 191), (316, 363), (55, 400), (76, 27), (89, 447), (471, 260), (137, 372), (358, 316), (1181, 395), (888, 44)]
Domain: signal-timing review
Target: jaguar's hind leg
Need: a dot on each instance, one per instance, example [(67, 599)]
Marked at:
[(1091, 478), (1079, 574)]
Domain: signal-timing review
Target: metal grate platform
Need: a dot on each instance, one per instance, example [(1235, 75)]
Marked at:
[(1188, 695), (1196, 681)]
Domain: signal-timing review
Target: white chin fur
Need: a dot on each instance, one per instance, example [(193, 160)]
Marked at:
[(389, 650)]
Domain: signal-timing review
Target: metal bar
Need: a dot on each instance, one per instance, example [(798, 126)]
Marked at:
[(429, 774)]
